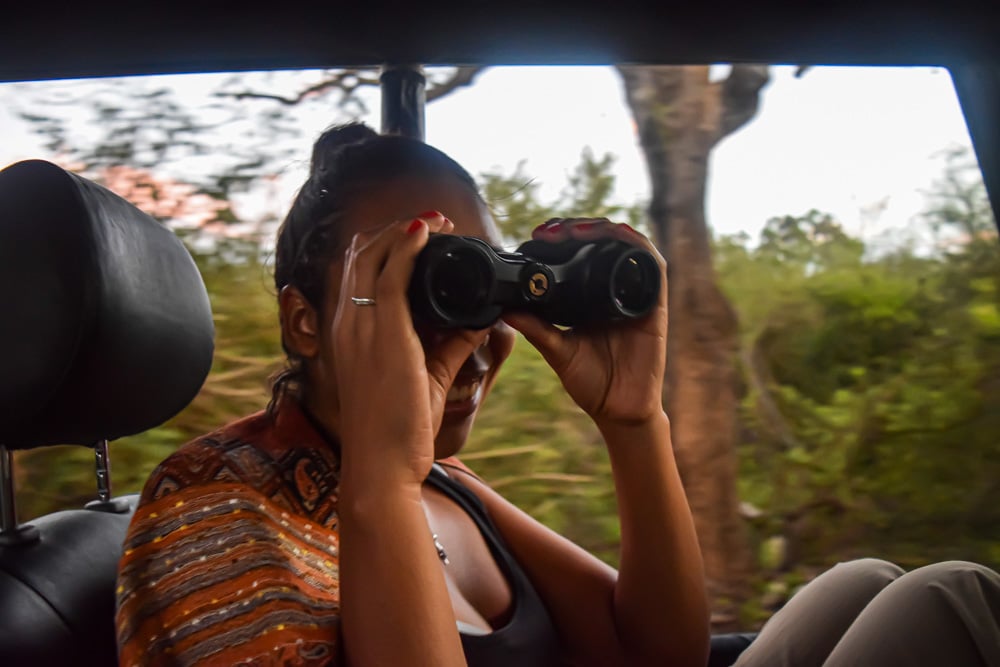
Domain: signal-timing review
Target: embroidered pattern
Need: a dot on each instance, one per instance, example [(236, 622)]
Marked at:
[(232, 556)]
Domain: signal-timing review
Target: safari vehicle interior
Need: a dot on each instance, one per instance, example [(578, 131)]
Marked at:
[(106, 325)]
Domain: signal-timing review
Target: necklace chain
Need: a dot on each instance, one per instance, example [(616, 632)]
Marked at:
[(442, 554)]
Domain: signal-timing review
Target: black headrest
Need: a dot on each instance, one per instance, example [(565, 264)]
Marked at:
[(105, 325)]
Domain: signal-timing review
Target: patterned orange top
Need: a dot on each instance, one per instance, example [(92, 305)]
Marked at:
[(232, 556)]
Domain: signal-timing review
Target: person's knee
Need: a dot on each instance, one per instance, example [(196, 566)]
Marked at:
[(942, 614), (956, 576), (872, 573)]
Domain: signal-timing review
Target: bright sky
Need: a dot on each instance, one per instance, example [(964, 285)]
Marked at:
[(838, 139), (860, 143)]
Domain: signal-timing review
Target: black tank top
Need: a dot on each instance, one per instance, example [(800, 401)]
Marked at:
[(529, 637)]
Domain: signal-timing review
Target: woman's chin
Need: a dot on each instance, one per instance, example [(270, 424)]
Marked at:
[(459, 414), (462, 401), (453, 433)]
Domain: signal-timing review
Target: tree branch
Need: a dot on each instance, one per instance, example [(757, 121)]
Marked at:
[(347, 81), (761, 380), (350, 80), (463, 76), (741, 96)]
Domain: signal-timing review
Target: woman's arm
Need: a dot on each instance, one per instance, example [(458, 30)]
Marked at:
[(661, 606), (395, 607), (654, 609)]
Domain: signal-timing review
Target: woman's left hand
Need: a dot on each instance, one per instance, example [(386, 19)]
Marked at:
[(613, 372)]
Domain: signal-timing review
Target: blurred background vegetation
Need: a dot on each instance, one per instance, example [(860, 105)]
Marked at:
[(870, 390), (868, 377)]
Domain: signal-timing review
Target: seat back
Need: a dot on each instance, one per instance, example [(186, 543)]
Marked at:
[(57, 600), (106, 332)]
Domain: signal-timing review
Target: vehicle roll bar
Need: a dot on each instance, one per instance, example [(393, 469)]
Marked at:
[(403, 88)]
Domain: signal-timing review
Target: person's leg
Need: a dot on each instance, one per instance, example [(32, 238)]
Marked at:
[(805, 630), (943, 614)]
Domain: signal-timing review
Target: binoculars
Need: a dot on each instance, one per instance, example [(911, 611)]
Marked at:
[(463, 282)]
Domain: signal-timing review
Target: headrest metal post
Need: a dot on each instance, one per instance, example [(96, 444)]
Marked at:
[(102, 462), (8, 508), (104, 502), (11, 534)]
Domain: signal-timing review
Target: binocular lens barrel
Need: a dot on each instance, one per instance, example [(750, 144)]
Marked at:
[(462, 282), (634, 283), (459, 281)]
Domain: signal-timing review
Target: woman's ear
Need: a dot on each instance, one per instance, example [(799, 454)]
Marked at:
[(299, 323)]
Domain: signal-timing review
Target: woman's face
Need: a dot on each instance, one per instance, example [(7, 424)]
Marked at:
[(404, 199)]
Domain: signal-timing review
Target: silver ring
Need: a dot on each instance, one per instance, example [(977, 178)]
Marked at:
[(362, 301)]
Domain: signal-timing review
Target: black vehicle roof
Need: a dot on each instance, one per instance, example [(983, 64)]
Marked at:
[(40, 40)]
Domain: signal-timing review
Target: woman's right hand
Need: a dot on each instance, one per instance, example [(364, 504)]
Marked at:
[(391, 394)]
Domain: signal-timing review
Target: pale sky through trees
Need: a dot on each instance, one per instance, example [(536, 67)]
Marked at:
[(850, 141), (860, 143)]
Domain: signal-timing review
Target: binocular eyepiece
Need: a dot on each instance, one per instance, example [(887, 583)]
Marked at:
[(462, 282)]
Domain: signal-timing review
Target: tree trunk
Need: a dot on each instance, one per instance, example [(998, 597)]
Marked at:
[(680, 116)]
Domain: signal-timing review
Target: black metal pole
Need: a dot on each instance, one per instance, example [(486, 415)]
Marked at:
[(102, 464), (978, 89), (403, 100), (8, 508), (10, 532)]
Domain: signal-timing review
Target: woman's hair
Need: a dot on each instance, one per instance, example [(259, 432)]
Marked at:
[(347, 161)]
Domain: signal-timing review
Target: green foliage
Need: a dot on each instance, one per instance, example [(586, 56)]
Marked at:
[(809, 244), (513, 198), (870, 413), (872, 407)]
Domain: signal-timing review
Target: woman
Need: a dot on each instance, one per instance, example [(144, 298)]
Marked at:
[(337, 527), (234, 554)]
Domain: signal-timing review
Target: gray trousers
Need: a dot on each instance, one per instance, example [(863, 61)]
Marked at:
[(871, 612)]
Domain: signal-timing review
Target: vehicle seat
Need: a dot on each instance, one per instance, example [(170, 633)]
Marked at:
[(105, 331)]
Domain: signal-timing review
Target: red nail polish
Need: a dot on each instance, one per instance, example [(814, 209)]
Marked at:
[(584, 225), (414, 226), (429, 214), (553, 228)]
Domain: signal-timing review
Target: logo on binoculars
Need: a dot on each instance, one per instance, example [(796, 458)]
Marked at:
[(538, 285)]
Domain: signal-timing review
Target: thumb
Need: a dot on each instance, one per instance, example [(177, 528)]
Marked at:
[(549, 340), (447, 357)]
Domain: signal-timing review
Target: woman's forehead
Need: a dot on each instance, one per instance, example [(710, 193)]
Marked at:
[(405, 198)]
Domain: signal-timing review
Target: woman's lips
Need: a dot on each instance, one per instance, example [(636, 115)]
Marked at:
[(463, 396)]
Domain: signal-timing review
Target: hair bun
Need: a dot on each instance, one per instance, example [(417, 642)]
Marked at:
[(334, 140)]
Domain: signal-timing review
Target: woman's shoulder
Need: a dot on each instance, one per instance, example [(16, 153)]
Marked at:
[(236, 452), (215, 552), (455, 469), (278, 457)]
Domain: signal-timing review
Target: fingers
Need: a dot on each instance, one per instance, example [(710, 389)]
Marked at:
[(447, 357), (560, 229), (378, 264), (394, 279), (556, 230), (550, 341), (370, 251)]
